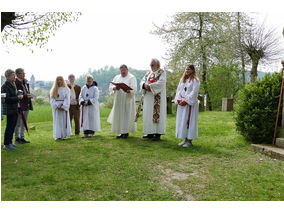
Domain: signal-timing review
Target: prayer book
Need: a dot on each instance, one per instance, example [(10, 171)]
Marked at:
[(122, 86)]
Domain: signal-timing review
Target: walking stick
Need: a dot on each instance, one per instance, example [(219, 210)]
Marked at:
[(278, 110)]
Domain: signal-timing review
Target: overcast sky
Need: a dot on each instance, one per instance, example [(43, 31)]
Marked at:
[(104, 37)]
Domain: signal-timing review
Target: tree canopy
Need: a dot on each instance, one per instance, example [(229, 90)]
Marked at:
[(30, 28)]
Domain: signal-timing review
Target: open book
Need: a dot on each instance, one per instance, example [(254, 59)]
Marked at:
[(122, 86)]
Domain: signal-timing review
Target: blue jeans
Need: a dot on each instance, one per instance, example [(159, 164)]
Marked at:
[(10, 128)]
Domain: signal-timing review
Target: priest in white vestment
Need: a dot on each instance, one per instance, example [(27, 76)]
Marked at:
[(60, 103), (122, 116), (90, 112), (188, 107), (153, 86)]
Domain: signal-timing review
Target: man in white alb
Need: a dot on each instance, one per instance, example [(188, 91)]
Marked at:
[(123, 112)]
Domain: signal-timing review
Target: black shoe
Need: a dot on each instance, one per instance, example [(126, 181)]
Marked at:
[(125, 135), (119, 136), (148, 136), (156, 137), (24, 141), (19, 141)]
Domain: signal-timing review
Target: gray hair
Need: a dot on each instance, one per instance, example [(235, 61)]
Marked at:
[(156, 62), (19, 71), (9, 72)]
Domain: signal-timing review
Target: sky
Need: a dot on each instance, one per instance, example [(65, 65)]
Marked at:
[(104, 37)]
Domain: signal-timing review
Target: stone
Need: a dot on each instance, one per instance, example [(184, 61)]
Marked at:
[(280, 142), (269, 150), (227, 104)]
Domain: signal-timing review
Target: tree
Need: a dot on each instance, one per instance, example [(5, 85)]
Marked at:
[(262, 45), (195, 38), (30, 28)]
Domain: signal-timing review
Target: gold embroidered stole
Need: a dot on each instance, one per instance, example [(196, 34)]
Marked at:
[(154, 77)]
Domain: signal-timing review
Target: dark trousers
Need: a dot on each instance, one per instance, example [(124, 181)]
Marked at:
[(10, 128), (74, 111)]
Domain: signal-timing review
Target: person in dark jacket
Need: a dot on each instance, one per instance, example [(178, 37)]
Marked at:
[(10, 108), (24, 106)]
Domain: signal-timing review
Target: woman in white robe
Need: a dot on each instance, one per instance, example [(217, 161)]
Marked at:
[(188, 107), (153, 86), (90, 112), (60, 103), (122, 116)]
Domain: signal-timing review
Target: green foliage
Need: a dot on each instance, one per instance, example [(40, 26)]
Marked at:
[(30, 28), (256, 110), (224, 81), (40, 101)]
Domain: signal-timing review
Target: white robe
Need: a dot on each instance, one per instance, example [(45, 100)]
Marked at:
[(90, 115), (149, 126), (190, 96), (122, 116), (61, 118)]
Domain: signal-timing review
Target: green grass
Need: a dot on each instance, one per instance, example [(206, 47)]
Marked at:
[(220, 166)]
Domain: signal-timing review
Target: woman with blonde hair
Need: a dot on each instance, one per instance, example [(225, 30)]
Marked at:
[(90, 113), (60, 103), (188, 107)]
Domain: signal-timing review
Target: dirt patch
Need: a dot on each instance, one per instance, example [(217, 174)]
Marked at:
[(171, 175)]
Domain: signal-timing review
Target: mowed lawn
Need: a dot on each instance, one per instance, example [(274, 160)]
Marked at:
[(220, 166)]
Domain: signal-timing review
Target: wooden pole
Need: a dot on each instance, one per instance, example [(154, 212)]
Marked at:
[(278, 110)]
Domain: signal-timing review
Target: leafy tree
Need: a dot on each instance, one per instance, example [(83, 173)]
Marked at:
[(196, 38), (262, 45), (30, 28), (224, 81)]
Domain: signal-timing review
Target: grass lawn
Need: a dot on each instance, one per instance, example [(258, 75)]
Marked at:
[(220, 166)]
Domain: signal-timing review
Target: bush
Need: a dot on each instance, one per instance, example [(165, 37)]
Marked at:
[(40, 101), (256, 109)]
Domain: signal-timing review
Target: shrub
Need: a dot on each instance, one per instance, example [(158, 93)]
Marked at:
[(256, 109), (40, 101)]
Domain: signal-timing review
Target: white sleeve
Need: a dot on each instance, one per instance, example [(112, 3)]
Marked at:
[(177, 97), (53, 103), (66, 102), (95, 97), (81, 96), (133, 85), (192, 96)]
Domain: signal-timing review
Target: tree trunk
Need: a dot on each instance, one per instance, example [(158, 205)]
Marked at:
[(204, 64), (241, 49), (253, 72), (6, 19)]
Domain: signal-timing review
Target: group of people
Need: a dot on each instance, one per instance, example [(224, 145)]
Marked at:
[(70, 101), (16, 107)]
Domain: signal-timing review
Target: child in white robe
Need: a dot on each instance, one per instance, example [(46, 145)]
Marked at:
[(90, 112), (60, 103), (188, 107)]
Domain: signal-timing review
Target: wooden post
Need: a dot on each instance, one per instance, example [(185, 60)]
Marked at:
[(278, 110)]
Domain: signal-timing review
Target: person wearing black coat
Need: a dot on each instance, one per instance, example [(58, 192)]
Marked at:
[(10, 108), (24, 106)]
